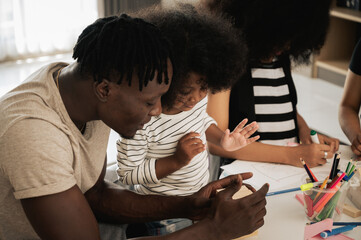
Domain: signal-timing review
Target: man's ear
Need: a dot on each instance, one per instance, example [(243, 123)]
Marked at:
[(101, 90)]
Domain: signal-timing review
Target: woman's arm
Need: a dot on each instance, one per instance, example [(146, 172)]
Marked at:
[(349, 111)]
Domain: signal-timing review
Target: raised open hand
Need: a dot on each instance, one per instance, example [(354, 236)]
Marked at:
[(240, 136)]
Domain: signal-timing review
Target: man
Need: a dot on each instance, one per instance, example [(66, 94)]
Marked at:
[(53, 137)]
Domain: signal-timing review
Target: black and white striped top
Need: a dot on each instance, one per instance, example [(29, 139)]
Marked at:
[(273, 107), (158, 139)]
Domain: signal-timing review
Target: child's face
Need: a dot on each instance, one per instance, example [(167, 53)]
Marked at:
[(192, 92)]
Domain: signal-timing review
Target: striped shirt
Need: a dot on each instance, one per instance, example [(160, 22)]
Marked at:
[(273, 107), (158, 139)]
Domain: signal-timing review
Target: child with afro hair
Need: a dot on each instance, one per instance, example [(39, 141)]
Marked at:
[(277, 32), (168, 155)]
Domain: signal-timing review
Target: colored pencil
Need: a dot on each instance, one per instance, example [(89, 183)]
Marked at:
[(283, 191), (340, 223), (335, 162), (308, 170), (321, 187), (335, 231)]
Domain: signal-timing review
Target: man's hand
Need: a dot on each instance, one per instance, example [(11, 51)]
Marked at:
[(232, 218), (236, 218)]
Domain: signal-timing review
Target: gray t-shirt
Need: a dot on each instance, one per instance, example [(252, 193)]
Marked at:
[(42, 152)]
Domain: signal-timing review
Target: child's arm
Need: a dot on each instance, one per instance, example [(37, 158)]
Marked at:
[(188, 146), (232, 141), (218, 108), (133, 165)]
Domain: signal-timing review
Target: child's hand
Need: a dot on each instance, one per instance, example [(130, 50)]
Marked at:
[(240, 136), (188, 146)]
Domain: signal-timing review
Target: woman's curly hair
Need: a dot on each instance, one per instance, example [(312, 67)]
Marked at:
[(297, 27), (200, 42)]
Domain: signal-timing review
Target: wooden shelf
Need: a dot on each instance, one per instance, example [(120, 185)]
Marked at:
[(341, 38), (347, 14), (337, 66)]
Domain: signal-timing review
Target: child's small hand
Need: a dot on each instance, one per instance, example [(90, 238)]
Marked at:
[(188, 146), (240, 136)]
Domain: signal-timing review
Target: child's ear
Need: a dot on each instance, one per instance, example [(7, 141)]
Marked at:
[(101, 90)]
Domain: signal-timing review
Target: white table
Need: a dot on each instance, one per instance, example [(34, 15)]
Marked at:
[(286, 218)]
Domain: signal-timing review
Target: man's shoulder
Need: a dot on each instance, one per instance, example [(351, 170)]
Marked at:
[(33, 99)]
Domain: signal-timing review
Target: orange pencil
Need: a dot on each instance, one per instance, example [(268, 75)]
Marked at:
[(321, 187)]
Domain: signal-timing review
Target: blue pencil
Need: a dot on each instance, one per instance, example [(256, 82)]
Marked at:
[(335, 231), (304, 187), (341, 223), (346, 223), (283, 191)]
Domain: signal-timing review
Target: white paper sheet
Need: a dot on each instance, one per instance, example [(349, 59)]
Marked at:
[(281, 176)]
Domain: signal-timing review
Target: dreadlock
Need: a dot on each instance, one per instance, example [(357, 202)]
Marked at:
[(123, 44)]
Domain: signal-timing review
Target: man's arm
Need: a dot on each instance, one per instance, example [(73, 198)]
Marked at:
[(67, 215), (64, 215), (226, 218), (111, 203), (215, 211), (71, 215), (349, 110)]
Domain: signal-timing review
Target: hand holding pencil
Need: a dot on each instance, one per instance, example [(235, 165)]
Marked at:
[(314, 154)]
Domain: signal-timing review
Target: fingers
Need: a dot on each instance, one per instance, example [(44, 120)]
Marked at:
[(356, 145), (189, 136), (232, 179), (329, 152), (192, 140), (230, 190), (249, 129), (259, 195), (322, 161), (240, 125), (333, 147), (337, 144), (324, 147), (253, 139), (260, 209), (334, 143), (246, 175), (249, 187), (226, 134), (260, 215), (355, 149)]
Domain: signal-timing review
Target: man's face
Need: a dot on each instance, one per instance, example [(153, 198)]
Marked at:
[(127, 109)]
